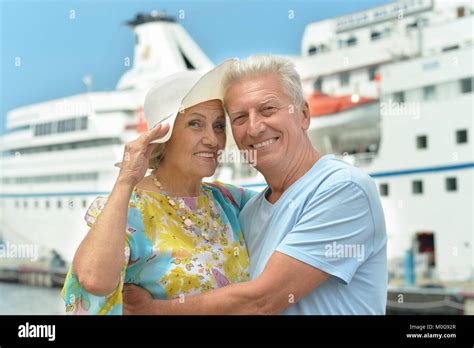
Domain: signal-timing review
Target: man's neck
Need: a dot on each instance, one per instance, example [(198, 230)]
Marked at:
[(280, 179)]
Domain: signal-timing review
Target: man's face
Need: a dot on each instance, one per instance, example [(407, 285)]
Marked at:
[(264, 119)]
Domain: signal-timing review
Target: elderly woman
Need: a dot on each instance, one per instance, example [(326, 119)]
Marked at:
[(167, 232)]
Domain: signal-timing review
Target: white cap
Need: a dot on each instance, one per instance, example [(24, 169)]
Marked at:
[(181, 91)]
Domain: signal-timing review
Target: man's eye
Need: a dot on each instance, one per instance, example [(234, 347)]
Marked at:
[(269, 109), (238, 119)]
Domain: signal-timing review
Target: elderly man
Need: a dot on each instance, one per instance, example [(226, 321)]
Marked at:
[(316, 235)]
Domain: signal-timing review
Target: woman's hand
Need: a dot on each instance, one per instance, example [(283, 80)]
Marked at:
[(137, 153)]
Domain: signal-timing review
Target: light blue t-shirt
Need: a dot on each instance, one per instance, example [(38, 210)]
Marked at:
[(331, 218)]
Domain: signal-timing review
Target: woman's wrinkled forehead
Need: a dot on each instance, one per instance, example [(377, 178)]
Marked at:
[(211, 108)]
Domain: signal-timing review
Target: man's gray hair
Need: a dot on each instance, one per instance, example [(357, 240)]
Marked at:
[(258, 65)]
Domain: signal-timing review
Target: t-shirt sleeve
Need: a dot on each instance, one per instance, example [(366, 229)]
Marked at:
[(77, 300), (334, 232)]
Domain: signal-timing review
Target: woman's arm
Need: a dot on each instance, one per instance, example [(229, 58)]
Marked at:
[(100, 257)]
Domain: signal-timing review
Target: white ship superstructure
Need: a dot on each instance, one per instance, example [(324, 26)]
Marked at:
[(59, 155)]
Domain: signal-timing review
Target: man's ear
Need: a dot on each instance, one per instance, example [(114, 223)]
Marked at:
[(306, 116)]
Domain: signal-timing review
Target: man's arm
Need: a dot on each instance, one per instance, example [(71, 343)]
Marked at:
[(340, 214), (283, 282)]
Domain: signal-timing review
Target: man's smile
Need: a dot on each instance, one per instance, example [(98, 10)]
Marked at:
[(264, 143)]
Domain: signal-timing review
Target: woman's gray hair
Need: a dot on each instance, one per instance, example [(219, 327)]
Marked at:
[(156, 156), (267, 64)]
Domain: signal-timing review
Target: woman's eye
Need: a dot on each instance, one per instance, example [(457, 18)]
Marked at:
[(195, 124), (220, 126)]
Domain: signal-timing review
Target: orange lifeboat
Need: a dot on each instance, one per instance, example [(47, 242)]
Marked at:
[(322, 104)]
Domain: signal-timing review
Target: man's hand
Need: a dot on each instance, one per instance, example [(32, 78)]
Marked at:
[(136, 300)]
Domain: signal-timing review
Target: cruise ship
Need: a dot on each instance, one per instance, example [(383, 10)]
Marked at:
[(390, 90)]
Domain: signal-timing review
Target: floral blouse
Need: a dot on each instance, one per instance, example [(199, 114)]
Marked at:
[(168, 249)]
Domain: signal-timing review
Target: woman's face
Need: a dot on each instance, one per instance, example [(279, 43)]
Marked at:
[(198, 135)]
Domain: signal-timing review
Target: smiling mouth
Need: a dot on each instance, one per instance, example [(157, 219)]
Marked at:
[(206, 155), (264, 143)]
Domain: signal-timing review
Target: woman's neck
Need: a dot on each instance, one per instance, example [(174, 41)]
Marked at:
[(177, 184)]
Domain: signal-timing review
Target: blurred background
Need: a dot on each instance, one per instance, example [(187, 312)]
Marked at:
[(390, 88)]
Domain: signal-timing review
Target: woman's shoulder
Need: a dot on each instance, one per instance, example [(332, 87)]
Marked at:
[(98, 204), (236, 195), (95, 209)]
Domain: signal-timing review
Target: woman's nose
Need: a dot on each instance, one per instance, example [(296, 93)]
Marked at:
[(210, 138)]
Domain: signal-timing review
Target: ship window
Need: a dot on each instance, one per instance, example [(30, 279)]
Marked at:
[(429, 92), (399, 97), (417, 186), (375, 35), (323, 48), (372, 73), (421, 142), (412, 25), (318, 84), (460, 12), (17, 204), (383, 188), (42, 129), (84, 203), (466, 85), (451, 184), (312, 50), (46, 204), (70, 125), (351, 41), (59, 203), (25, 204), (450, 48), (83, 124), (461, 136), (61, 126), (36, 204), (344, 78)]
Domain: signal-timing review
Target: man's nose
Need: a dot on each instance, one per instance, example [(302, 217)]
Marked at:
[(256, 124)]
